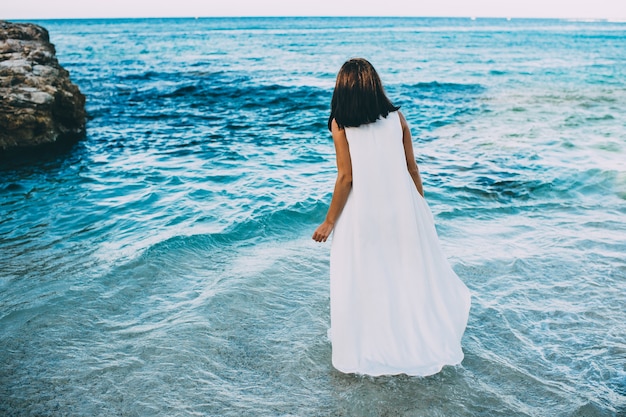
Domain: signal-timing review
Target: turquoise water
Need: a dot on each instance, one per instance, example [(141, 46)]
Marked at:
[(163, 266)]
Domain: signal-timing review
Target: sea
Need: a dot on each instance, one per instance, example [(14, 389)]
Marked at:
[(164, 266)]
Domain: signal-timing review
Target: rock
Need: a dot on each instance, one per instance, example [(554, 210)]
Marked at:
[(39, 105)]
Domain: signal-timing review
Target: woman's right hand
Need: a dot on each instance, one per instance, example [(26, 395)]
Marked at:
[(323, 231)]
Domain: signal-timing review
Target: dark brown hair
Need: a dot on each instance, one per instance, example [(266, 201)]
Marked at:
[(359, 97)]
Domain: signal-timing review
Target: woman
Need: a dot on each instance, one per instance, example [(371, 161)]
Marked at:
[(396, 305)]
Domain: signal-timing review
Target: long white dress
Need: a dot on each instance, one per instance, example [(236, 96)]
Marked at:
[(396, 304)]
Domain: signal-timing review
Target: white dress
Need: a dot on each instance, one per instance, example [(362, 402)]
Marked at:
[(396, 305)]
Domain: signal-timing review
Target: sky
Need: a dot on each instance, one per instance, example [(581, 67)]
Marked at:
[(53, 9)]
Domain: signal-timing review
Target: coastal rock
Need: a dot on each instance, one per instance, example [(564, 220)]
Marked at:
[(39, 105)]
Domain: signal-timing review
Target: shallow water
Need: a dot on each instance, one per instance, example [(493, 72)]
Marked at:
[(163, 266)]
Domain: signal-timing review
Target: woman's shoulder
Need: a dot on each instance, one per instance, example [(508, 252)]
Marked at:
[(334, 126), (393, 118), (403, 121)]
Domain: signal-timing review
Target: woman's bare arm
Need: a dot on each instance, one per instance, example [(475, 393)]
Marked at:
[(411, 165), (343, 184)]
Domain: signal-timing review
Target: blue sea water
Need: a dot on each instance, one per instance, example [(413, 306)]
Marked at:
[(163, 266)]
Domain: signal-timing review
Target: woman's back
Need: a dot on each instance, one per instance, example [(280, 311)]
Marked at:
[(377, 155), (382, 189)]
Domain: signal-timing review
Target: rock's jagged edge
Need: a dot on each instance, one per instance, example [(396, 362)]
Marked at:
[(39, 105)]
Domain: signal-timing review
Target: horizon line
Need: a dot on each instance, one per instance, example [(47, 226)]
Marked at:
[(508, 18)]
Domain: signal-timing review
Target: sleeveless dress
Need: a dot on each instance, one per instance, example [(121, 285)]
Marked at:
[(396, 305)]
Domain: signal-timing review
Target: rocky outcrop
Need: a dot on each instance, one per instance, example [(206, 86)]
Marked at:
[(39, 105)]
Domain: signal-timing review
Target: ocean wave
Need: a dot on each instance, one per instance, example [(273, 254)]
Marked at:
[(521, 191), (432, 105), (262, 224), (446, 87), (216, 85)]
